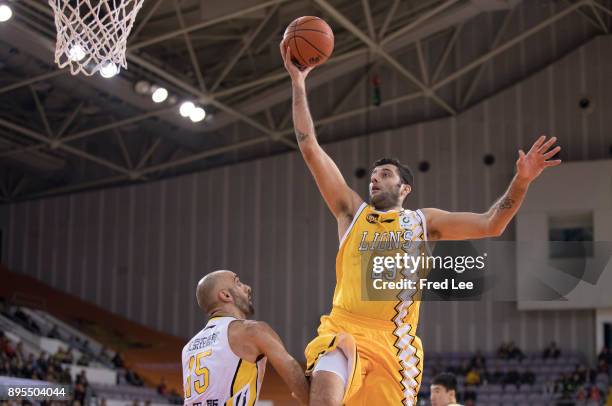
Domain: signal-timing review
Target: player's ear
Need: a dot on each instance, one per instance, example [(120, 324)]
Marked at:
[(225, 296), (406, 189)]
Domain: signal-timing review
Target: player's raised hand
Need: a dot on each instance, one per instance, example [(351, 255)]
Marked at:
[(297, 75), (529, 166)]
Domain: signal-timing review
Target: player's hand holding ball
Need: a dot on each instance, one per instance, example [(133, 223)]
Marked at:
[(308, 42)]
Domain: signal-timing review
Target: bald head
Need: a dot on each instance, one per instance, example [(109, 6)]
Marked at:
[(209, 286), (222, 290)]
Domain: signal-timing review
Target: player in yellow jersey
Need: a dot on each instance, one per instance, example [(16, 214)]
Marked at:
[(367, 352), (224, 363)]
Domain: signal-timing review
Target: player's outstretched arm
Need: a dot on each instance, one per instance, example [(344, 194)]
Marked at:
[(443, 225), (269, 343), (340, 198)]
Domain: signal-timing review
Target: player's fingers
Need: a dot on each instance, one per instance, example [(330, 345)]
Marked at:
[(552, 163), (552, 152), (287, 55), (521, 154), (547, 144), (536, 145)]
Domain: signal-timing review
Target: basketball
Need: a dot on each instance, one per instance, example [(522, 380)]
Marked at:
[(310, 39)]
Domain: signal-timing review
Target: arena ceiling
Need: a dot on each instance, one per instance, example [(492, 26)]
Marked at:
[(61, 133)]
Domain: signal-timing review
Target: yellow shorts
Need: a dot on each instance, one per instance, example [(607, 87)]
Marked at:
[(376, 374)]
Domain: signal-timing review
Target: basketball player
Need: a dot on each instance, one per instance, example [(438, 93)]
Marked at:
[(367, 352), (224, 364), (444, 390)]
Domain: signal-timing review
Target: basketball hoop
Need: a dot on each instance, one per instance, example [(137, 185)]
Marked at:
[(92, 34)]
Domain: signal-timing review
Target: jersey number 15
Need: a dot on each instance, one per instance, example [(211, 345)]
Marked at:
[(200, 383)]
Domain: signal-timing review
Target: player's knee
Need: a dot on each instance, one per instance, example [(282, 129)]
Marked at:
[(330, 377), (326, 389)]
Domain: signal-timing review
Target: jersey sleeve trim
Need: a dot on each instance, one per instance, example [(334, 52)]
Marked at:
[(423, 222)]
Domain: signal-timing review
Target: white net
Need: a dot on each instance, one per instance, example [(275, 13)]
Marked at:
[(92, 34)]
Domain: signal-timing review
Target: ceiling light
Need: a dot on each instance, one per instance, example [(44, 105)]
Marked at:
[(76, 53), (109, 70), (186, 108), (159, 95), (5, 13), (198, 114), (142, 87)]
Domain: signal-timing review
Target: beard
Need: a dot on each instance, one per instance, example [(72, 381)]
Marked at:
[(386, 200), (243, 303)]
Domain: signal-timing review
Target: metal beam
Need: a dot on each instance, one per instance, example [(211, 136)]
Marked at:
[(281, 74), (603, 25), (602, 8), (342, 64), (144, 21), (246, 44), (388, 18), (349, 94), (368, 16), (19, 186), (422, 63), (202, 97), (61, 145), (361, 110), (498, 37), (92, 131), (450, 45), (194, 59), (123, 148), (422, 18), (69, 120), (204, 154), (376, 48), (150, 151), (41, 112), (526, 34), (587, 17), (33, 80), (204, 24)]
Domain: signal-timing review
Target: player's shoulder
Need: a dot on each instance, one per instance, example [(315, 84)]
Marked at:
[(431, 212), (250, 328)]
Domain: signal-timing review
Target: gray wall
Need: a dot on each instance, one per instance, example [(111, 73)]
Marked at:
[(139, 250)]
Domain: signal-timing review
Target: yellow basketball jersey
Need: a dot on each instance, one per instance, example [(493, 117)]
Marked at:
[(373, 232)]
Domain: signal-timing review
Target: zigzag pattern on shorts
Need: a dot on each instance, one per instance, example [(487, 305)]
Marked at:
[(406, 351)]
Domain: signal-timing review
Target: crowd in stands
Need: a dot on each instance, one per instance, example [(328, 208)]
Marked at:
[(14, 362), (583, 386)]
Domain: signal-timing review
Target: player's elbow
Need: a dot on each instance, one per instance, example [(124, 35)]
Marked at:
[(496, 230), (309, 150)]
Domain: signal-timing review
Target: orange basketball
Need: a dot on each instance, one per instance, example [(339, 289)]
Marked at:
[(311, 41)]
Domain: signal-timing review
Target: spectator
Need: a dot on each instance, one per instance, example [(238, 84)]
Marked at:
[(478, 361), (472, 378), (83, 360), (54, 333), (491, 376), (605, 354), (118, 360), (552, 351), (527, 377), (80, 387), (161, 388), (512, 378), (514, 352), (19, 352), (581, 397), (595, 394), (502, 351), (580, 375), (443, 390)]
